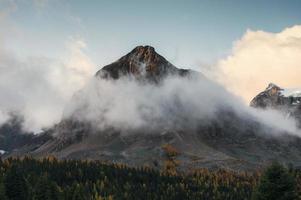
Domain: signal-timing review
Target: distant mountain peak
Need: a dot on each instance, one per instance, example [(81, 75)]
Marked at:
[(141, 62), (274, 87), (286, 100), (270, 97)]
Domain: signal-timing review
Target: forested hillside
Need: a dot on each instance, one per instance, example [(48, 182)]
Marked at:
[(50, 178)]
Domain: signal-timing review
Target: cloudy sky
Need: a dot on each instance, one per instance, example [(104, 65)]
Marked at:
[(50, 48), (186, 32)]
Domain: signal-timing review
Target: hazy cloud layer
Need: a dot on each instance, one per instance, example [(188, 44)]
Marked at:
[(178, 102), (38, 88), (259, 58)]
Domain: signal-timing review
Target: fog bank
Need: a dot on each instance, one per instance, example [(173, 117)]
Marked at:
[(177, 102)]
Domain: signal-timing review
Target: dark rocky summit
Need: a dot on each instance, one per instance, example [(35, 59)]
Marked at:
[(141, 62)]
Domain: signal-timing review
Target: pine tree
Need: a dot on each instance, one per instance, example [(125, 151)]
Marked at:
[(15, 184), (77, 192), (276, 183), (46, 190), (2, 190)]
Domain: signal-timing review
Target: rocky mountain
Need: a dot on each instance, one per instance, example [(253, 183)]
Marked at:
[(275, 97), (230, 140)]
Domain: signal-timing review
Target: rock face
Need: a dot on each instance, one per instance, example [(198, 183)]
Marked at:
[(285, 100), (275, 97), (143, 63), (228, 141), (270, 98)]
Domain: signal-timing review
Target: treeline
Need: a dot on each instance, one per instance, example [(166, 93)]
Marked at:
[(50, 178)]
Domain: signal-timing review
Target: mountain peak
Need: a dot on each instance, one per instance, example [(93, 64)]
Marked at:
[(276, 97), (141, 62), (273, 86), (145, 55), (143, 50)]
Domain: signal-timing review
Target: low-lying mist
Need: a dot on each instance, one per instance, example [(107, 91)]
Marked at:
[(174, 103)]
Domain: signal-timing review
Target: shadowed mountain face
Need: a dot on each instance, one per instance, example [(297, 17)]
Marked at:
[(230, 139), (14, 139)]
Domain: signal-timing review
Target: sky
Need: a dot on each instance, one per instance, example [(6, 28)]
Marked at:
[(188, 33), (49, 49)]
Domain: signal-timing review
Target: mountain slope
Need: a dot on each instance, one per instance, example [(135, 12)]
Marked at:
[(13, 139)]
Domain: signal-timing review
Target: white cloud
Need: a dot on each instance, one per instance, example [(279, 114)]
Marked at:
[(176, 103), (259, 58), (128, 104), (3, 117), (39, 87)]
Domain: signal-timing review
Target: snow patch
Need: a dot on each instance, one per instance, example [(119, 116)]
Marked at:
[(272, 85), (2, 152), (296, 92)]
